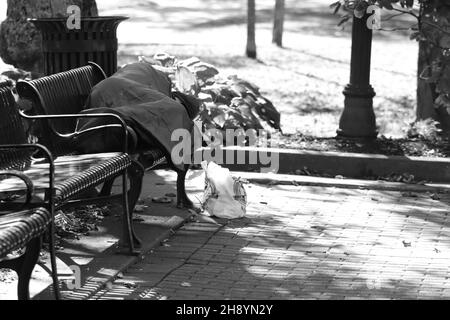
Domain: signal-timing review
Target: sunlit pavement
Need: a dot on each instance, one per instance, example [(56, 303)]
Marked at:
[(300, 242)]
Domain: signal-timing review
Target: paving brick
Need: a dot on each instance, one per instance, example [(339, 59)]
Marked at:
[(320, 243)]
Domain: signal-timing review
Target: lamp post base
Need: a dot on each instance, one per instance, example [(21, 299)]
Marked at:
[(358, 117)]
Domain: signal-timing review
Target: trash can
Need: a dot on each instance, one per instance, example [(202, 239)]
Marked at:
[(65, 49)]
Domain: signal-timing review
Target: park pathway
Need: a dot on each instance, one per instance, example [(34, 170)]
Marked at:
[(304, 242)]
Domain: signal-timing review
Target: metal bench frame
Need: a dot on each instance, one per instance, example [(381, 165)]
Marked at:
[(17, 233), (49, 96), (56, 104), (25, 229), (17, 155)]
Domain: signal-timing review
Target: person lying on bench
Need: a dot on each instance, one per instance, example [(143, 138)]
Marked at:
[(143, 97)]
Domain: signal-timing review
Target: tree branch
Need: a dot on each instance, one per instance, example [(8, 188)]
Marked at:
[(393, 16), (406, 12), (399, 29), (436, 27)]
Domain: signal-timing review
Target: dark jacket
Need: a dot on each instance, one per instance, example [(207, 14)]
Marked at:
[(142, 96)]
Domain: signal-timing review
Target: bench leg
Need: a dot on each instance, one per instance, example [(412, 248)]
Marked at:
[(136, 174), (51, 245), (107, 188), (127, 234), (129, 199), (183, 200), (27, 264), (24, 266)]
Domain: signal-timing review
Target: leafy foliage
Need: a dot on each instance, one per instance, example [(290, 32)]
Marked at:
[(227, 102), (424, 129), (433, 27)]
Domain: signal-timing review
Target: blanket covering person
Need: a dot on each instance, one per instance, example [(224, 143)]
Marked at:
[(142, 96)]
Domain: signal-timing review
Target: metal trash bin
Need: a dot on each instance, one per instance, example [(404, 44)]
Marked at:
[(65, 49)]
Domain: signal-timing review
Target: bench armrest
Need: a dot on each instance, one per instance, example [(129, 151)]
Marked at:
[(121, 124), (47, 156), (25, 179)]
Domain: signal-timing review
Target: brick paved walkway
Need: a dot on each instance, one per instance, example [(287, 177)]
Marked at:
[(304, 243)]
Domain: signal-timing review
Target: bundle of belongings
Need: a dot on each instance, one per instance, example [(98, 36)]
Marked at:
[(143, 97)]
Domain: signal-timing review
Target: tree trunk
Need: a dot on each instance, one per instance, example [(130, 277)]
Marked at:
[(427, 90), (278, 23), (20, 42), (251, 22)]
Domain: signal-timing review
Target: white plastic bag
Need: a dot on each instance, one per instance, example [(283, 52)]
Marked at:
[(224, 196)]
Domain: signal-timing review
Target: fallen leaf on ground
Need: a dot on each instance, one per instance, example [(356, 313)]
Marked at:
[(139, 208), (129, 285), (193, 212), (434, 196), (138, 219), (406, 243), (162, 200), (409, 195)]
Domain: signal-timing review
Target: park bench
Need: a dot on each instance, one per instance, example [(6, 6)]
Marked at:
[(22, 225), (70, 176), (66, 93), (24, 229)]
